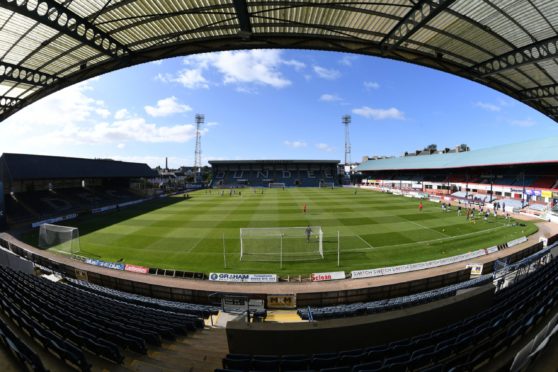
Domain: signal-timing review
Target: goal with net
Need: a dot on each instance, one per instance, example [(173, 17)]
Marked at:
[(63, 239), (281, 244), (276, 185)]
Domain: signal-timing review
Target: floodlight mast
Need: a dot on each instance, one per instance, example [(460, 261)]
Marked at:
[(346, 119), (197, 155)]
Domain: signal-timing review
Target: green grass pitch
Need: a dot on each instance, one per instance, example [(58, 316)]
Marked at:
[(376, 230)]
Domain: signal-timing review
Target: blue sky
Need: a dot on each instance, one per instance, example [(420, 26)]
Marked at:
[(268, 104)]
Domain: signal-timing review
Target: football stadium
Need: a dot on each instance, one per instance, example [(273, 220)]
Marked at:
[(437, 260)]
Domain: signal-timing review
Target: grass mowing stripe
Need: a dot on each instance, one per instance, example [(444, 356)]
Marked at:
[(376, 230)]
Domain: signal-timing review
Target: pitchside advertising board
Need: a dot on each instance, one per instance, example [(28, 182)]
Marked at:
[(2, 209), (243, 278)]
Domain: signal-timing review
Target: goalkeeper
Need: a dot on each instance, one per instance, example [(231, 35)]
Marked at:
[(308, 233)]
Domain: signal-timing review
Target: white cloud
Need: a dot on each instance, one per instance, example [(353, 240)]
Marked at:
[(295, 144), (347, 60), (524, 122), (297, 65), (255, 66), (371, 85), (488, 106), (330, 98), (379, 114), (188, 78), (325, 147), (134, 129), (252, 67), (324, 73), (167, 106), (64, 121), (212, 124), (102, 112), (122, 114)]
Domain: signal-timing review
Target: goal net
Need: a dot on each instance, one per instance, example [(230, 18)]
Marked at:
[(281, 244), (63, 239), (276, 185), (328, 185)]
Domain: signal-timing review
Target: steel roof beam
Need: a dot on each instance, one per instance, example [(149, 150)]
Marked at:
[(545, 91), (243, 16), (24, 75), (62, 19), (8, 102), (529, 54), (421, 14)]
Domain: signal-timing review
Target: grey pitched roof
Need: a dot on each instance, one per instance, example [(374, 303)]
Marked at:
[(29, 167), (530, 152)]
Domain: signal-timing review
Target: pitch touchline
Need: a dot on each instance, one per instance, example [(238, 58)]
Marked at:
[(421, 242)]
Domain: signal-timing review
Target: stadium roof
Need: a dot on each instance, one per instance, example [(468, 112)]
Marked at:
[(511, 45), (20, 167), (227, 162), (531, 152)]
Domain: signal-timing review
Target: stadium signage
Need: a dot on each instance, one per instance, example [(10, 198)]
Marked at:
[(131, 202), (55, 219), (108, 265), (136, 269), (517, 241), (243, 278), (321, 277), (369, 273), (490, 250), (546, 194), (103, 209), (287, 301), (476, 269)]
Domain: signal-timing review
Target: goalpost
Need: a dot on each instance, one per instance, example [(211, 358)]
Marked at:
[(64, 239), (277, 244), (276, 185)]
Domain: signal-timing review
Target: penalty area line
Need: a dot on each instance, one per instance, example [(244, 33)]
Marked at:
[(365, 242), (449, 238)]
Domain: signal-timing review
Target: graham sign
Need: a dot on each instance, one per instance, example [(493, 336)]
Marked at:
[(243, 278)]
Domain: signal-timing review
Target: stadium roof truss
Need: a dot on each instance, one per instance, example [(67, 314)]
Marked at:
[(509, 45)]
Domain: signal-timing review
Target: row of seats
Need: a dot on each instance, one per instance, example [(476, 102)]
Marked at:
[(41, 204), (466, 345), (67, 320), (372, 307), (19, 349), (180, 307), (34, 328)]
